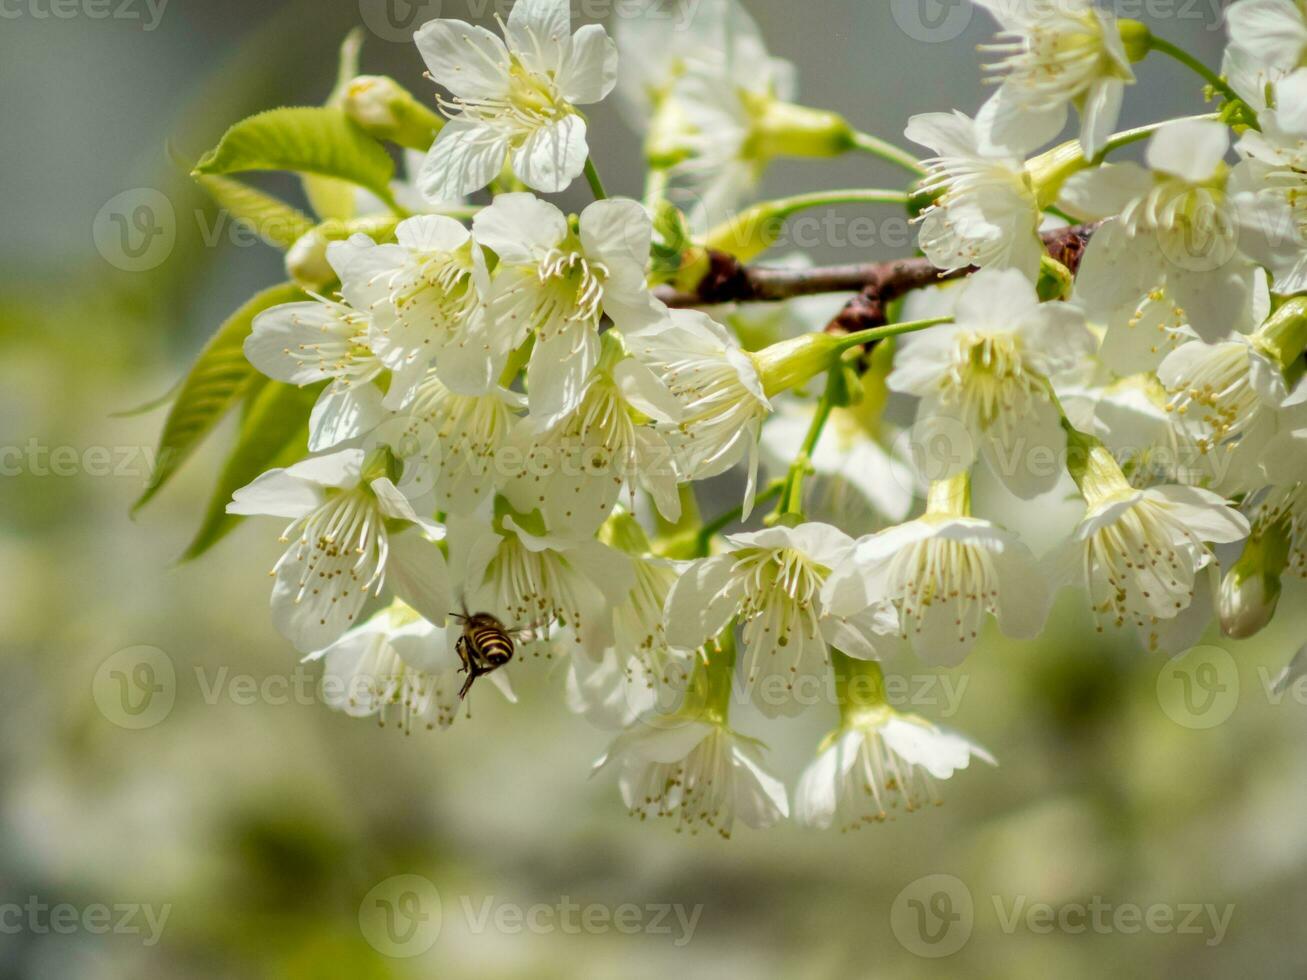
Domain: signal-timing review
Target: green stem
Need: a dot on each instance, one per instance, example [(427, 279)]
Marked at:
[(757, 228), (888, 151), (892, 330), (1128, 136), (592, 175), (711, 528), (791, 501), (1155, 43)]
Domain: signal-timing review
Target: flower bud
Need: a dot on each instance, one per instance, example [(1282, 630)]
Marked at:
[(388, 111), (1283, 336), (1135, 37), (793, 362), (306, 261), (1251, 588), (785, 129)]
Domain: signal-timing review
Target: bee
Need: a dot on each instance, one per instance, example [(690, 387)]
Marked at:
[(484, 645)]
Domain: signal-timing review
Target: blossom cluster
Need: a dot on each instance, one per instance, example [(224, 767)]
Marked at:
[(513, 404)]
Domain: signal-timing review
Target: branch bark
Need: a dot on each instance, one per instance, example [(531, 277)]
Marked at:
[(877, 283)]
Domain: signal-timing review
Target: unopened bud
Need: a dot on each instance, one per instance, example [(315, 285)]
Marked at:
[(306, 261), (1135, 37), (388, 111), (1251, 588)]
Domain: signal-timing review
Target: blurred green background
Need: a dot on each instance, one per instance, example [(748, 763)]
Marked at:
[(262, 822)]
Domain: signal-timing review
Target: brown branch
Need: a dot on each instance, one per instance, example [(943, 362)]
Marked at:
[(877, 283)]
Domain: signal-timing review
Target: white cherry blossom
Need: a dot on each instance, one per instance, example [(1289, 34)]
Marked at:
[(341, 551), (530, 579), (514, 99), (574, 465), (1048, 55), (397, 662), (719, 388), (1139, 553), (321, 340), (556, 283), (990, 371), (986, 211), (943, 573), (1173, 225), (424, 295), (877, 759), (698, 773), (772, 582), (472, 432)]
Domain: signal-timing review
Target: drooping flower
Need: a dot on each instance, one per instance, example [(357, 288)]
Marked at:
[(877, 758), (397, 661), (985, 211), (772, 581), (530, 580), (342, 551), (990, 371), (1049, 55), (1174, 226), (472, 432), (943, 573), (719, 388), (556, 284), (1139, 553), (424, 295), (322, 340), (1229, 396), (575, 465), (514, 99), (696, 773)]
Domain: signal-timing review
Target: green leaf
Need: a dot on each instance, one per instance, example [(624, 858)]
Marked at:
[(217, 380), (334, 199), (322, 142), (274, 221), (274, 432)]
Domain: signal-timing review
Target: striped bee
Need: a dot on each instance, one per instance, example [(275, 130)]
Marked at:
[(485, 645)]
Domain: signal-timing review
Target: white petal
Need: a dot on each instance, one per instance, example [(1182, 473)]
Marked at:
[(540, 32), (702, 602), (343, 412), (1098, 117), (277, 340), (1190, 149), (1104, 191), (276, 494), (590, 71), (469, 61), (553, 155), (464, 158), (431, 233), (520, 228), (1203, 512), (416, 572), (559, 369)]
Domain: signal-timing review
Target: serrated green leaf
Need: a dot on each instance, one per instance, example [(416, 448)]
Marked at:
[(322, 142), (274, 432), (216, 381), (274, 221)]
